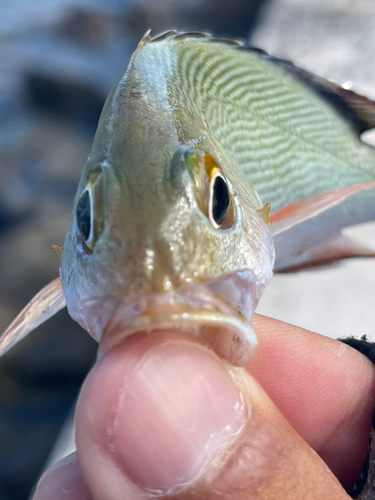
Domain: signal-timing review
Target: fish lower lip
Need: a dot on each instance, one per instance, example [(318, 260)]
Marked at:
[(193, 309)]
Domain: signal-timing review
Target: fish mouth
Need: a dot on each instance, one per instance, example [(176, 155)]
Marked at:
[(193, 309)]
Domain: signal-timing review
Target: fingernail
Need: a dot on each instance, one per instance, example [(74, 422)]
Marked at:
[(178, 409)]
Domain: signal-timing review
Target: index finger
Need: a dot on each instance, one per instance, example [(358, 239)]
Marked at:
[(324, 388)]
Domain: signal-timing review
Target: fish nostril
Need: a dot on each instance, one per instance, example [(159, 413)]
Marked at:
[(178, 171)]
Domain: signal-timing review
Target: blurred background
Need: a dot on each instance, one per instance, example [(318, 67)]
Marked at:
[(58, 61)]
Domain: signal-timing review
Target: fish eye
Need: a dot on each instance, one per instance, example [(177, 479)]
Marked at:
[(212, 190), (84, 216), (219, 200), (220, 209), (89, 211)]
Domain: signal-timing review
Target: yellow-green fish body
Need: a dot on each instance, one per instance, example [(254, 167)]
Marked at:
[(198, 135), (181, 98)]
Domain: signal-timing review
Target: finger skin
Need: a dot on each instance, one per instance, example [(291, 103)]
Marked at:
[(324, 388), (63, 481), (266, 458), (304, 374)]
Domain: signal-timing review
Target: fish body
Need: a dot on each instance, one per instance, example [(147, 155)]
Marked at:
[(170, 223), (273, 138)]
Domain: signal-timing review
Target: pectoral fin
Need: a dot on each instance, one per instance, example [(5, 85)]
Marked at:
[(338, 247), (47, 302), (307, 232), (308, 208)]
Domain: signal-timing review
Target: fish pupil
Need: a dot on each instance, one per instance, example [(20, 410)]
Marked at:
[(83, 215), (220, 201)]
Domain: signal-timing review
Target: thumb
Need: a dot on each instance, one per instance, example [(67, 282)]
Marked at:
[(162, 415)]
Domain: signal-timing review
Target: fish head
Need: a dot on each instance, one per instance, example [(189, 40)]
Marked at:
[(162, 233)]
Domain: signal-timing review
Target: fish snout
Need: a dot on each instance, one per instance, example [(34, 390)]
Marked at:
[(159, 264)]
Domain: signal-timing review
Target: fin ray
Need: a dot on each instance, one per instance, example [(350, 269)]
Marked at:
[(306, 233), (307, 208), (330, 251), (46, 303)]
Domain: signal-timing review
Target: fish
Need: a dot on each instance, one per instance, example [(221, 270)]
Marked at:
[(214, 164)]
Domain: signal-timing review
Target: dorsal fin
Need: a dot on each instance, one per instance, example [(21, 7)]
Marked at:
[(356, 108)]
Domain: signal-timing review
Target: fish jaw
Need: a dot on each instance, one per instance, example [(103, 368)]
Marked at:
[(219, 311), (192, 308), (215, 295)]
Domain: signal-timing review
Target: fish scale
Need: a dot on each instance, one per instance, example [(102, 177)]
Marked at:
[(275, 104)]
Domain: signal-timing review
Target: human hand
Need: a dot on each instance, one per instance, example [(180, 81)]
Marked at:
[(162, 413)]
